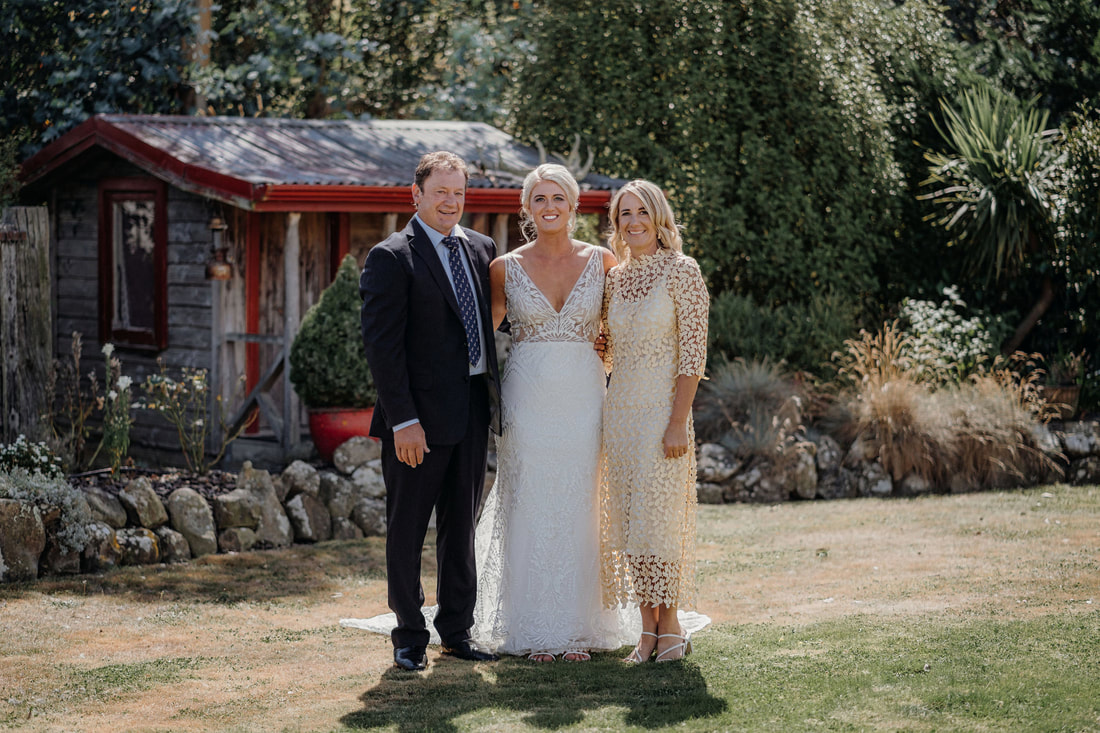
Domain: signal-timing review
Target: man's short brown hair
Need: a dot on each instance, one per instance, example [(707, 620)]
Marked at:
[(440, 160)]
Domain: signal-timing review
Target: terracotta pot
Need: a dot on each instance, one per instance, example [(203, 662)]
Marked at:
[(1063, 398), (331, 426)]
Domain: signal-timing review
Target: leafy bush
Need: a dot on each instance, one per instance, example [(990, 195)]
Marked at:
[(185, 403), (31, 457), (116, 411), (75, 401), (803, 335), (779, 130), (327, 364), (51, 494)]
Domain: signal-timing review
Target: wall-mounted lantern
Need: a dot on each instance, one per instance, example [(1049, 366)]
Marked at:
[(218, 267)]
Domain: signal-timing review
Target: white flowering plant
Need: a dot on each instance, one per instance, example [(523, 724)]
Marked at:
[(31, 457), (116, 412), (185, 402), (947, 340)]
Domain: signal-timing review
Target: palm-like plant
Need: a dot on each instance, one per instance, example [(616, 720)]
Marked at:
[(998, 187)]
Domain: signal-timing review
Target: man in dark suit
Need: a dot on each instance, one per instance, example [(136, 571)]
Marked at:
[(428, 336)]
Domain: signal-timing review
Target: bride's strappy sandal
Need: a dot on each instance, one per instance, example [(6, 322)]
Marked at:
[(685, 644), (579, 655), (535, 657), (635, 656)]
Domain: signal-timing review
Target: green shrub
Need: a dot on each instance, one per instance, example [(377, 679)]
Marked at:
[(31, 457), (327, 364), (803, 335), (51, 494), (783, 132)]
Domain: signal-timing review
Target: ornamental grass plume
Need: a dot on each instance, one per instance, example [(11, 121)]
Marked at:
[(750, 407), (977, 434)]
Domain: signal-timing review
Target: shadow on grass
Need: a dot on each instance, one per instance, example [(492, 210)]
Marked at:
[(548, 696), (258, 576)]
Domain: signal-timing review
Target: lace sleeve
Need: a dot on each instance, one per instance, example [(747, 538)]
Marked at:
[(689, 293), (608, 351)]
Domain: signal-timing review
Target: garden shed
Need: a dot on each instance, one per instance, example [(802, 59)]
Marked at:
[(202, 241)]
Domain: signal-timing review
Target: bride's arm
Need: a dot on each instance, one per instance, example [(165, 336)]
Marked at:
[(496, 291)]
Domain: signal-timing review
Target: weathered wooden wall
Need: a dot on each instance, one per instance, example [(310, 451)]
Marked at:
[(189, 294), (26, 320)]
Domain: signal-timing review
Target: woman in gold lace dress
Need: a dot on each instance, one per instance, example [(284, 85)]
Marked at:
[(655, 319)]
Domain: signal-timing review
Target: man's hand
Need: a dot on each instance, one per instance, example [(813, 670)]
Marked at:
[(411, 445)]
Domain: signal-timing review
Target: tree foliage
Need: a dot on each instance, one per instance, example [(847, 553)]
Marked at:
[(1048, 49), (774, 126), (998, 183), (66, 61), (383, 58)]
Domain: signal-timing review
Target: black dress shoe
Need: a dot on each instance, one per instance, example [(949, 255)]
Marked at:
[(469, 652), (412, 658)]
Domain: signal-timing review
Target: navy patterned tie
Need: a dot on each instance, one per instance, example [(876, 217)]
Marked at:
[(466, 304)]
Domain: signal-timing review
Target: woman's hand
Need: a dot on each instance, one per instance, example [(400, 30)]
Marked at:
[(676, 439)]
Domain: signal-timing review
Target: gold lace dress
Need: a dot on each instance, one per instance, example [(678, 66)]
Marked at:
[(655, 317)]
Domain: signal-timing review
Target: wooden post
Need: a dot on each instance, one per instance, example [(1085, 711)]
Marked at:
[(389, 224), (291, 320), (500, 233), (480, 223), (26, 321), (217, 340)]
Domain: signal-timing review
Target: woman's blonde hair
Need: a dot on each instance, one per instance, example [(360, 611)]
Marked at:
[(660, 213), (553, 173)]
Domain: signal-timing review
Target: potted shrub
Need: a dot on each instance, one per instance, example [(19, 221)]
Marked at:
[(1062, 389), (328, 368)]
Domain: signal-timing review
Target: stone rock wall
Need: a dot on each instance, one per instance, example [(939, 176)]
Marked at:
[(820, 468), (135, 527), (348, 501)]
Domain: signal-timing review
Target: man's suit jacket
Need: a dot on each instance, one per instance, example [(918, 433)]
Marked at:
[(414, 338)]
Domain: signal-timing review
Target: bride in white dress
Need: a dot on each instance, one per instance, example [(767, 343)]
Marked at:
[(537, 541)]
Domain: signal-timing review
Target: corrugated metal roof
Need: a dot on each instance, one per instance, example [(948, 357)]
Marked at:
[(261, 153), (329, 152)]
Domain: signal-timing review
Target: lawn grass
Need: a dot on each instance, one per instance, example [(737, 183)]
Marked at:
[(858, 673), (977, 612)]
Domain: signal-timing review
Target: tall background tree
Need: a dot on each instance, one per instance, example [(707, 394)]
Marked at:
[(65, 61), (780, 129)]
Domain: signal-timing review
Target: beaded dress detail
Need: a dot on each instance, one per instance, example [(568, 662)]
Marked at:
[(537, 542), (655, 316)]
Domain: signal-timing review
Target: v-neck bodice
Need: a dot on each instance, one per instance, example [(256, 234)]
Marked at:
[(532, 316)]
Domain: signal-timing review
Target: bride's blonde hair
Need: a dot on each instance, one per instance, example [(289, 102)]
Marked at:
[(660, 213), (553, 173)]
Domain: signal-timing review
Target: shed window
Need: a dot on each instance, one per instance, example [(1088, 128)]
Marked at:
[(133, 260)]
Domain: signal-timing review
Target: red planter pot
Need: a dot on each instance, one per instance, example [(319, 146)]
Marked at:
[(331, 426)]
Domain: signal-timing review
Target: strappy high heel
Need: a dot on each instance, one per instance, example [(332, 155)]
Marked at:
[(534, 657), (580, 655), (635, 656), (685, 645)]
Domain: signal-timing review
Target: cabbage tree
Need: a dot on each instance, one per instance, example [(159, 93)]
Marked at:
[(997, 189)]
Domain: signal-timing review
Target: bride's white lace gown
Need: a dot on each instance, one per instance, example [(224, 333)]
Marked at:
[(538, 539)]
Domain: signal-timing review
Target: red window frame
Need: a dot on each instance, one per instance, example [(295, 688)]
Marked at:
[(114, 190)]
